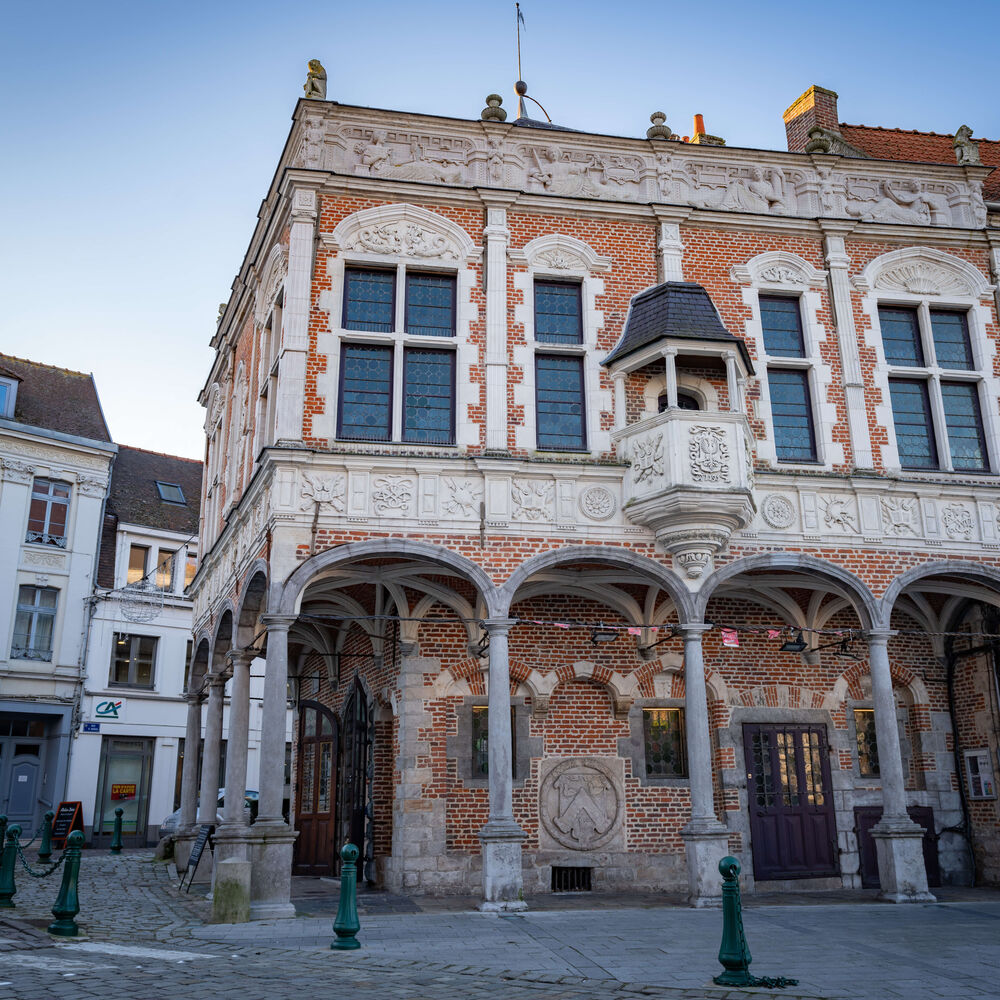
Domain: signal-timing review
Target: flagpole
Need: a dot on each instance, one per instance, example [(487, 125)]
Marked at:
[(517, 25)]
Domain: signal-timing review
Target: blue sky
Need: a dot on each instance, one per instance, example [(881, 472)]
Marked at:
[(140, 137)]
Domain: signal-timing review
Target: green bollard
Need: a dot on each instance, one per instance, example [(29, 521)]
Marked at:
[(3, 830), (116, 837), (733, 952), (347, 925), (67, 904), (7, 862), (45, 850)]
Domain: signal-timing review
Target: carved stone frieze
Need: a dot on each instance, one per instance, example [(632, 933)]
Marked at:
[(402, 238), (464, 497), (91, 486), (708, 453), (582, 173), (533, 499), (36, 557), (392, 495), (408, 156), (15, 471), (327, 491)]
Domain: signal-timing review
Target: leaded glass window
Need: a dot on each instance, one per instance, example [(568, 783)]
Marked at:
[(369, 300), (666, 749), (911, 413), (901, 337), (365, 393), (428, 407), (48, 512), (34, 623), (481, 742), (791, 413), (781, 320), (864, 731), (952, 346), (430, 304), (560, 410), (964, 423), (558, 313)]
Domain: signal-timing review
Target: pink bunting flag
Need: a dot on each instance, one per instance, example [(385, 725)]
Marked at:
[(635, 631), (774, 633), (730, 637)]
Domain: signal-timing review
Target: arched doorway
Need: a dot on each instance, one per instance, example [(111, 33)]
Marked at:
[(315, 805)]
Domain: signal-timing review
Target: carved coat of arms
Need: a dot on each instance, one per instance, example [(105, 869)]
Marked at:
[(581, 803)]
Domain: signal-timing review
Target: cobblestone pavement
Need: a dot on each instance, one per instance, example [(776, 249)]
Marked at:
[(144, 940)]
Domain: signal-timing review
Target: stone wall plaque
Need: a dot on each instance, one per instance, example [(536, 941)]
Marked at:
[(581, 803)]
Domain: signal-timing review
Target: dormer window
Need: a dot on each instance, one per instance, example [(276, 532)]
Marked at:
[(8, 392), (170, 493)]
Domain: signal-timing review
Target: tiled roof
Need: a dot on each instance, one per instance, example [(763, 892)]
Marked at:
[(922, 147), (680, 310), (56, 399), (135, 499)]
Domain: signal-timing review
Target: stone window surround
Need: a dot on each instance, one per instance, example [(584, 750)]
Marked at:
[(945, 282), (456, 259), (558, 257), (459, 745), (634, 746), (790, 276)]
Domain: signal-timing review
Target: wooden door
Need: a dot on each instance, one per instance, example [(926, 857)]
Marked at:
[(315, 803), (793, 828), (865, 817)]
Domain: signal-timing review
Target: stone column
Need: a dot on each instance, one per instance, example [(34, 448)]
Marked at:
[(706, 840), (271, 851), (733, 384), (898, 840), (670, 370), (501, 837), (496, 236), (208, 805), (671, 252), (621, 402), (189, 783)]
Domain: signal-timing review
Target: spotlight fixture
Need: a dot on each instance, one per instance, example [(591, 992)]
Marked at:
[(603, 634), (796, 645)]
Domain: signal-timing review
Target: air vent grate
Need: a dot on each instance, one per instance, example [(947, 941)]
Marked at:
[(570, 879)]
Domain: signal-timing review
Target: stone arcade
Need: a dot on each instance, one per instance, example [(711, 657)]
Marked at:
[(508, 422)]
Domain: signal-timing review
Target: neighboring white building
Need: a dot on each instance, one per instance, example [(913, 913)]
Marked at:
[(55, 461), (130, 743)]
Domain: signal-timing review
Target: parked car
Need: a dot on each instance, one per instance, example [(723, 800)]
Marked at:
[(169, 826)]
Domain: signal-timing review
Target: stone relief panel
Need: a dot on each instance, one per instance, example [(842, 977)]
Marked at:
[(647, 458), (709, 454), (581, 803), (392, 495), (638, 171), (533, 499), (330, 492), (598, 503), (463, 498)]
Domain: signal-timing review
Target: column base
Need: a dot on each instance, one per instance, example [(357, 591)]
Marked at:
[(899, 845), (231, 891), (270, 846), (503, 883), (706, 843)]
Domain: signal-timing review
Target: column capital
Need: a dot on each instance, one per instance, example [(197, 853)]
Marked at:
[(499, 625), (217, 681), (879, 636), (693, 629), (279, 623), (194, 698), (241, 656), (668, 352)]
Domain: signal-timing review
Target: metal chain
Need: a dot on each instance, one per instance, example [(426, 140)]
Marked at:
[(48, 871), (769, 982)]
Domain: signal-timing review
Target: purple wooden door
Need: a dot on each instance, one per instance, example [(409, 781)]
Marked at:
[(793, 830)]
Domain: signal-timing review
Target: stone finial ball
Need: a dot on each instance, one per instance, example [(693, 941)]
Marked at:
[(657, 117), (349, 852), (729, 866), (520, 88), (493, 100)]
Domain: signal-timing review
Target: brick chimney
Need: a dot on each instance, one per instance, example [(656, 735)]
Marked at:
[(816, 107)]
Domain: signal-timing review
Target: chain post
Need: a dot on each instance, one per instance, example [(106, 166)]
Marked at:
[(45, 850), (347, 925), (733, 952), (3, 830), (67, 904), (7, 862), (116, 838)]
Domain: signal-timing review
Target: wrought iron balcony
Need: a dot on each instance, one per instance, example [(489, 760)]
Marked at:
[(689, 481)]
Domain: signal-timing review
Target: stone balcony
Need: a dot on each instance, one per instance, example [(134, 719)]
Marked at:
[(689, 481)]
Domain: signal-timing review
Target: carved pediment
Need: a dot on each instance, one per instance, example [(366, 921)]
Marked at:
[(779, 268), (559, 252), (923, 271), (403, 230)]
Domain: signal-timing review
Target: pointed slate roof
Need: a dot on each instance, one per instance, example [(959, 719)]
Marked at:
[(675, 310)]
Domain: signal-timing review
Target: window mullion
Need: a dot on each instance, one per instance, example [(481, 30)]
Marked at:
[(398, 389), (940, 425), (926, 334)]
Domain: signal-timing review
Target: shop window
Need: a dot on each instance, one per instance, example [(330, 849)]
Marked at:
[(665, 745)]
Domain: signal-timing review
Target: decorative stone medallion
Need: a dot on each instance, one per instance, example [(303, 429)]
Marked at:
[(582, 803), (778, 511), (598, 503)]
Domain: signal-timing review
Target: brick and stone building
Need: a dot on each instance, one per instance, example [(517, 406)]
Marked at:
[(606, 505)]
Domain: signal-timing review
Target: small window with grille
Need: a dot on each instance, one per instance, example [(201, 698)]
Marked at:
[(864, 729), (666, 748), (481, 742)]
